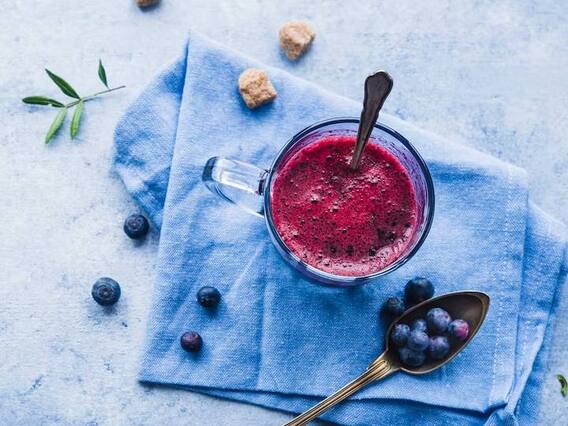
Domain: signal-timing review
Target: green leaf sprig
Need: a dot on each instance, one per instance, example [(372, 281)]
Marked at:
[(78, 103), (563, 384)]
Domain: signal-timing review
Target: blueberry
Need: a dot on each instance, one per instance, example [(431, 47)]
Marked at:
[(136, 226), (438, 320), (411, 358), (459, 329), (399, 335), (418, 340), (438, 347), (393, 307), (191, 341), (208, 297), (418, 290), (419, 324), (106, 291)]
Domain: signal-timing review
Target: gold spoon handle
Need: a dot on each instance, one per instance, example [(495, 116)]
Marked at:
[(379, 368)]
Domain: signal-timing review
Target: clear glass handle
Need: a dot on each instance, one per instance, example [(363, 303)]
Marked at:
[(236, 182)]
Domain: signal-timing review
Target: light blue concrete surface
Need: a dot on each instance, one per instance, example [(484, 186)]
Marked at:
[(489, 74)]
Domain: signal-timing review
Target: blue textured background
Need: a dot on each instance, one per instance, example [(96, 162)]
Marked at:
[(490, 75)]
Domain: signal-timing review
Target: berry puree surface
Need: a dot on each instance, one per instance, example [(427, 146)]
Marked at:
[(341, 221)]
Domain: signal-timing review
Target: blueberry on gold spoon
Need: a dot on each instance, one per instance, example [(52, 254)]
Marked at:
[(405, 343)]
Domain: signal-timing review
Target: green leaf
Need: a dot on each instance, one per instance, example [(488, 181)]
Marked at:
[(63, 85), (102, 74), (55, 125), (42, 100), (76, 119), (563, 384)]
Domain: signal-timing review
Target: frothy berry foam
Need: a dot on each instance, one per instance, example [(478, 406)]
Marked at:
[(344, 222)]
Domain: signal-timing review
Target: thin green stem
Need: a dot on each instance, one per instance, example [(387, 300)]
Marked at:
[(94, 95)]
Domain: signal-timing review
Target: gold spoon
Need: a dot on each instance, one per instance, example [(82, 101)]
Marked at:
[(471, 306)]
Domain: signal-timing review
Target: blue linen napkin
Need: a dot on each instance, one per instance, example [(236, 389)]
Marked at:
[(280, 341)]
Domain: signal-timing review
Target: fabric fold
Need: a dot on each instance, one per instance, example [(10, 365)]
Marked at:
[(280, 341)]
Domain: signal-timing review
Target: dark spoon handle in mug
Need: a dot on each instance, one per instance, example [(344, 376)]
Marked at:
[(377, 88)]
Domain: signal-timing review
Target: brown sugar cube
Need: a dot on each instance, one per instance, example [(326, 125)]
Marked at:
[(255, 87), (146, 3), (295, 38)]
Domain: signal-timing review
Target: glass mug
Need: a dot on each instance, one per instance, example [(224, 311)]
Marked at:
[(250, 187)]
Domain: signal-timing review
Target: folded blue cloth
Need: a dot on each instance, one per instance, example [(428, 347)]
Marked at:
[(280, 341)]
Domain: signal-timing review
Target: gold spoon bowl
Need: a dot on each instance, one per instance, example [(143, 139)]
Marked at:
[(471, 306)]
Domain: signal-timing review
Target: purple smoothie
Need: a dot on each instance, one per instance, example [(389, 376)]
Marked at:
[(341, 221)]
